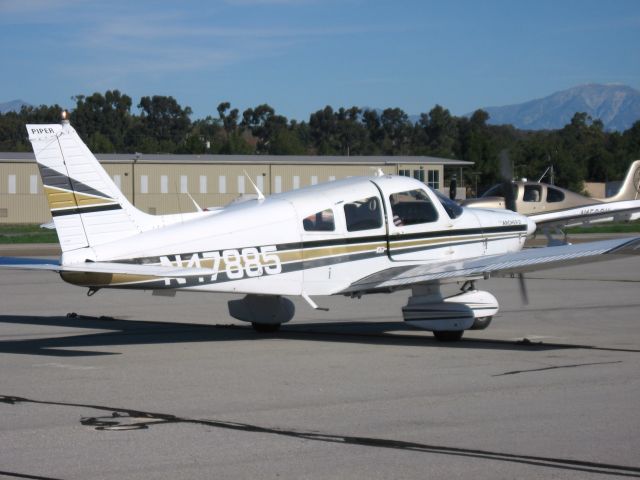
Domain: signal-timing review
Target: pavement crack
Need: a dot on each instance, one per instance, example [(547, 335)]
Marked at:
[(120, 419), (554, 367)]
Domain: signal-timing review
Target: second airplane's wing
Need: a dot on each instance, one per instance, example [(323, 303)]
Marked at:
[(495, 265), (589, 214)]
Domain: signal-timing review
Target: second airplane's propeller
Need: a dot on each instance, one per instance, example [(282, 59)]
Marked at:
[(506, 172)]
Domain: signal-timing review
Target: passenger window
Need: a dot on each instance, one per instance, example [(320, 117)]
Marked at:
[(413, 207), (364, 214), (531, 193), (320, 222), (554, 195)]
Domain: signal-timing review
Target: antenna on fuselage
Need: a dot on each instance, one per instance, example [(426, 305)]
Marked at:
[(198, 207), (255, 187)]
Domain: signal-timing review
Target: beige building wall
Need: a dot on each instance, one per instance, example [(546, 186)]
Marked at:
[(164, 187), (291, 177), (595, 189)]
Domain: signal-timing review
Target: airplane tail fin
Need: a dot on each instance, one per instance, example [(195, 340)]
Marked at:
[(630, 189), (87, 207)]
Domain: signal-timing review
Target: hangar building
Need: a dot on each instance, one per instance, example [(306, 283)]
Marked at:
[(160, 184)]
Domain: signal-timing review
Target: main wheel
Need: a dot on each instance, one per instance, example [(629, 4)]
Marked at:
[(266, 327), (448, 335), (481, 323)]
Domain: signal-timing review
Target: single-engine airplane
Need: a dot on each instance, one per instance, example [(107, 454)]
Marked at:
[(552, 207), (348, 237)]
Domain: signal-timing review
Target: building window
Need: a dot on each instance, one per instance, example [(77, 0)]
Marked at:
[(404, 173), (296, 182), (164, 184), (11, 184), (117, 179), (144, 184), (433, 179), (240, 184), (222, 184), (278, 184), (419, 175), (203, 184), (184, 184), (33, 184)]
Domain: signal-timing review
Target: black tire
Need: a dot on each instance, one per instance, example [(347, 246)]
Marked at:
[(448, 335), (266, 327), (481, 323)]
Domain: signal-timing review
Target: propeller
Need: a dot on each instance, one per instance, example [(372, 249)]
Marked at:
[(524, 296), (506, 172)]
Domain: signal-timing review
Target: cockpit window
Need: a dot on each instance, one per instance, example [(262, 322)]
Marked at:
[(532, 193), (452, 208), (554, 195), (412, 207), (364, 214), (319, 222)]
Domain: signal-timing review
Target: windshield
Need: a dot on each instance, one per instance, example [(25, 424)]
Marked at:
[(498, 191), (452, 208)]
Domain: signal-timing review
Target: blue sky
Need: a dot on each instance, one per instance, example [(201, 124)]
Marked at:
[(300, 55)]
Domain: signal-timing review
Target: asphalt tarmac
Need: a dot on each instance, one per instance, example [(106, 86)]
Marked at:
[(135, 386)]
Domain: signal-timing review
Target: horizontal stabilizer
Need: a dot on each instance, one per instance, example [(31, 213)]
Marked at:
[(113, 268)]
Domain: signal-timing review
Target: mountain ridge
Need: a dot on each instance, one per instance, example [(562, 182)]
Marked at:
[(616, 105)]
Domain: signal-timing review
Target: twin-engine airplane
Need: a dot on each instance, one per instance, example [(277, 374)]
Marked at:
[(349, 237)]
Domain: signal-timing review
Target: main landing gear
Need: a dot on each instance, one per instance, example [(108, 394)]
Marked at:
[(449, 317), (265, 312)]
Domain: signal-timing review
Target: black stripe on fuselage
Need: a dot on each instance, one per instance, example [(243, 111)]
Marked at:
[(79, 210), (309, 244)]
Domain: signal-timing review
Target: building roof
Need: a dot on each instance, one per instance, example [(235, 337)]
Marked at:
[(253, 159)]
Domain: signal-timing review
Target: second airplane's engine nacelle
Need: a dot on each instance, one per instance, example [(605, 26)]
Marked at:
[(455, 313), (262, 309)]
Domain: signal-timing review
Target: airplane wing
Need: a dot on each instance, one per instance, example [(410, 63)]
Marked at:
[(114, 268), (589, 214), (495, 265)]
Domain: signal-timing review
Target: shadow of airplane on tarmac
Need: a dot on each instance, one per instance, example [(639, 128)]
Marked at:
[(110, 333)]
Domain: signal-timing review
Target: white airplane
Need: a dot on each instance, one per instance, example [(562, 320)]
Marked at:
[(349, 237)]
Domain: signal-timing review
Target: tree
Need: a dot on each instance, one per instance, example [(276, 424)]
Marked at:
[(397, 131), (103, 121), (165, 120)]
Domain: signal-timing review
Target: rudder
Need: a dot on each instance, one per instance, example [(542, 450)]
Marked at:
[(86, 206), (630, 189)]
